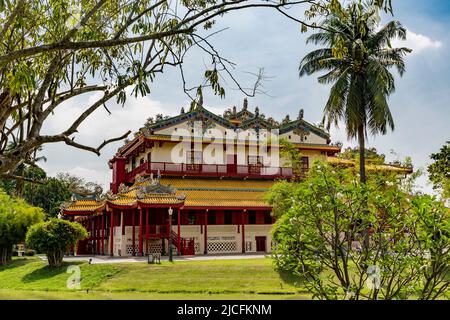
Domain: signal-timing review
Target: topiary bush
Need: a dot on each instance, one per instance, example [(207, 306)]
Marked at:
[(54, 237)]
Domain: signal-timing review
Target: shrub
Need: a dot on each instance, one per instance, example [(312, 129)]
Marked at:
[(361, 241), (54, 237)]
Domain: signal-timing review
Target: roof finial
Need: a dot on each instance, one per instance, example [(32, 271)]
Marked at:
[(300, 114), (286, 120), (244, 107), (182, 110), (257, 111)]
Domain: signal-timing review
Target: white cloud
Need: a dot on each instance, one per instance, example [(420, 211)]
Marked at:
[(101, 125), (418, 42), (101, 177)]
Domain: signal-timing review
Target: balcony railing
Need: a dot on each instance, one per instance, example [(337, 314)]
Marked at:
[(251, 171)]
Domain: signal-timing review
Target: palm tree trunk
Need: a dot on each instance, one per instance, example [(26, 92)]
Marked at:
[(362, 179), (362, 154)]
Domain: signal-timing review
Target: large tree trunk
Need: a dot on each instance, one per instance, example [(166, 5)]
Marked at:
[(362, 154)]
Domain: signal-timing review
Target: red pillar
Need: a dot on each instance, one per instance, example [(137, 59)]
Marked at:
[(91, 235), (147, 229), (102, 245), (133, 228), (243, 230), (178, 231), (111, 234), (97, 233), (122, 222), (140, 232), (206, 233)]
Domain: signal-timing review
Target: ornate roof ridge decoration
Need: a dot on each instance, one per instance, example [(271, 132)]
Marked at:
[(196, 114), (225, 189), (302, 125), (231, 119), (83, 193), (257, 122), (207, 122), (65, 205), (154, 187)]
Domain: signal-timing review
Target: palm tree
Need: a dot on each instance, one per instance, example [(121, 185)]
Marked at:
[(357, 60)]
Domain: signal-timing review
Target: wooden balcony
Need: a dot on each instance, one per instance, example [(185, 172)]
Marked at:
[(210, 170)]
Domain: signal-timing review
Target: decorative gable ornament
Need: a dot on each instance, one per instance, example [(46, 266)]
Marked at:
[(123, 189), (202, 121), (302, 132), (157, 188), (111, 196)]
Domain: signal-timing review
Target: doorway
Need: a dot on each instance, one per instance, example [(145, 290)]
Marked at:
[(260, 244)]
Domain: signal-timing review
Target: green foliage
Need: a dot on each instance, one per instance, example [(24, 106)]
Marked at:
[(292, 155), (49, 195), (46, 192), (321, 230), (54, 237), (439, 170), (15, 218), (371, 155)]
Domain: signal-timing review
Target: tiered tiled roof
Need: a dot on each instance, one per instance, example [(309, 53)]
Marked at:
[(233, 119), (369, 166), (189, 193), (210, 193), (85, 206)]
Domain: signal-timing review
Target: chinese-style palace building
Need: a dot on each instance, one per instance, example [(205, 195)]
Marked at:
[(197, 180)]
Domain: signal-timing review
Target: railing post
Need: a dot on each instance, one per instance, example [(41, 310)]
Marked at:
[(179, 230)]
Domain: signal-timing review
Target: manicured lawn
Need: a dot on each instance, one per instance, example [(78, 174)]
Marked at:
[(30, 278)]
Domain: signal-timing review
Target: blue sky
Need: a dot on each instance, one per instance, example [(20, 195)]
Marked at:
[(264, 39)]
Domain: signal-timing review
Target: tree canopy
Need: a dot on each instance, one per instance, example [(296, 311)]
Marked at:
[(356, 60), (321, 227), (55, 51), (43, 191), (15, 218), (439, 170)]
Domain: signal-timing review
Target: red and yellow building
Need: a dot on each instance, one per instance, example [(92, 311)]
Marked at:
[(198, 180)]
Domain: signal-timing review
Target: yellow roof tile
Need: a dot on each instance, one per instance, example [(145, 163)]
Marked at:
[(197, 193), (86, 205), (369, 167)]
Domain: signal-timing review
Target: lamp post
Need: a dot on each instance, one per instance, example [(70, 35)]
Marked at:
[(170, 234)]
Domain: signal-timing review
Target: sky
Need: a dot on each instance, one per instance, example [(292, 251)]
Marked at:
[(262, 38)]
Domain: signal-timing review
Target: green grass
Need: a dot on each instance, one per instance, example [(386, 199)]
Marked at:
[(30, 278), (131, 295), (34, 274)]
